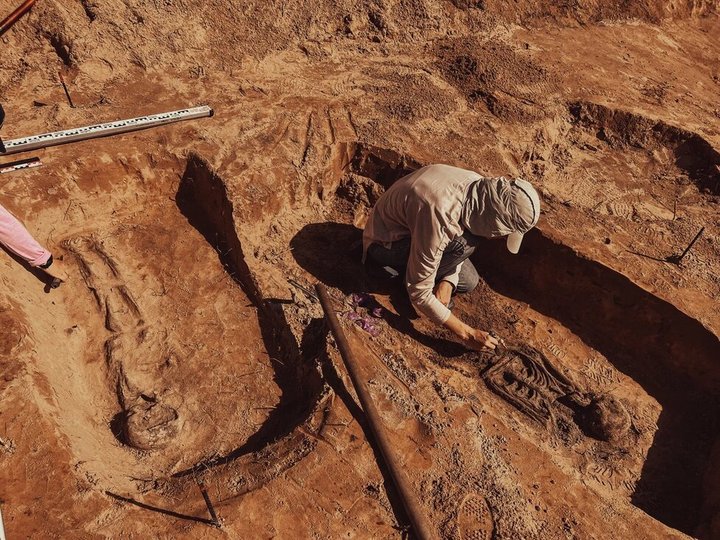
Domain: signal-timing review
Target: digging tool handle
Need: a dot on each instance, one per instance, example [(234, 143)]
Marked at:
[(15, 16), (421, 527)]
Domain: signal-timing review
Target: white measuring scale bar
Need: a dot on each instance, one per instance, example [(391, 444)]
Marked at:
[(55, 138)]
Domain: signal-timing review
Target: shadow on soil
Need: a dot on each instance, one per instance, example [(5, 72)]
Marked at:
[(159, 510), (331, 253), (202, 199)]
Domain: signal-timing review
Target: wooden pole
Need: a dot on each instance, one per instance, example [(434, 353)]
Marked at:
[(421, 526), (15, 16)]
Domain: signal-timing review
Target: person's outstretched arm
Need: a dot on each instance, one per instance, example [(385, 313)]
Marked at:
[(426, 249), (472, 338)]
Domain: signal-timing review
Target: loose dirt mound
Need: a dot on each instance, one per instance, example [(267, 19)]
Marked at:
[(189, 346), (493, 74)]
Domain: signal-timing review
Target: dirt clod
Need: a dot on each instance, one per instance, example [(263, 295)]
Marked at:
[(605, 418)]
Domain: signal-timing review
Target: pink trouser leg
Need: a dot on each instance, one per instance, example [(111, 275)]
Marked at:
[(15, 237)]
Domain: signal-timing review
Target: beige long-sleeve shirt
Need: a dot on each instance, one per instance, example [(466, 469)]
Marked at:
[(426, 206)]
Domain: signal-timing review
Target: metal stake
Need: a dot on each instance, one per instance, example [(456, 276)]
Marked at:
[(210, 508), (67, 92), (677, 258)]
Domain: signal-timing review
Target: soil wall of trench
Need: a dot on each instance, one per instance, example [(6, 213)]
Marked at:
[(288, 434)]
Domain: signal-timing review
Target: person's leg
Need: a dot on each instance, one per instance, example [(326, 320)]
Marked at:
[(55, 269), (396, 257), (456, 253), (469, 278), (17, 239)]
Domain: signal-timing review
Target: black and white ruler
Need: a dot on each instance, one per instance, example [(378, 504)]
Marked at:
[(34, 142), (13, 166)]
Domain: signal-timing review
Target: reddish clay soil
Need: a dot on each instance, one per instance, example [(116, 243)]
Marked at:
[(188, 346)]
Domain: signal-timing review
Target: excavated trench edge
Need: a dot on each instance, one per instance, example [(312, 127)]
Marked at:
[(652, 367), (693, 154), (291, 430)]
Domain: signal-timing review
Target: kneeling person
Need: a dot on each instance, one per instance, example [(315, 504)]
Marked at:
[(430, 221)]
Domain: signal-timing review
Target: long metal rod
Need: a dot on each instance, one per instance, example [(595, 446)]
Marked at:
[(15, 16), (422, 528), (208, 503), (67, 92), (34, 142), (692, 243)]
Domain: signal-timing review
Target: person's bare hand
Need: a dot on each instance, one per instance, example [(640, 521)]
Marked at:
[(480, 340), (443, 292), (472, 338)]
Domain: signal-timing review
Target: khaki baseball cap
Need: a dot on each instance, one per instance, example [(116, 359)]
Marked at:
[(527, 204)]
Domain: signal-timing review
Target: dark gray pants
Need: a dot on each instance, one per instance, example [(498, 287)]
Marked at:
[(456, 253)]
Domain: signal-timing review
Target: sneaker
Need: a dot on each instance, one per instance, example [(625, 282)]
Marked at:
[(57, 272)]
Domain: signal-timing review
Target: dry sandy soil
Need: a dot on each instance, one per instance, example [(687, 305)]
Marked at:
[(187, 345)]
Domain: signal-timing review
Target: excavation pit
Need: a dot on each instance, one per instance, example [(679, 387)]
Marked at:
[(666, 359), (671, 356), (184, 362), (195, 247)]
